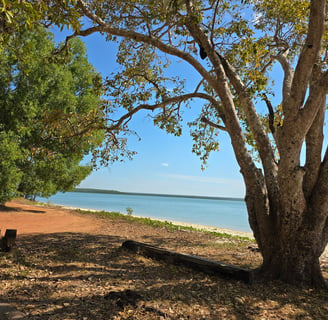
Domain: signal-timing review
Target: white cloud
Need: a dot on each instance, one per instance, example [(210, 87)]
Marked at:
[(165, 164)]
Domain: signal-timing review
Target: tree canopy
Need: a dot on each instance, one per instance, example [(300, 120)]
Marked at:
[(51, 115)]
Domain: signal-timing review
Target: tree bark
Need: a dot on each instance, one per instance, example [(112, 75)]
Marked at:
[(290, 254), (293, 263)]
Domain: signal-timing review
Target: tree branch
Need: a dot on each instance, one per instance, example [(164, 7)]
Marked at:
[(130, 34), (314, 142), (307, 114), (324, 237), (307, 59), (263, 142), (212, 124), (319, 198), (213, 21), (288, 75), (125, 118), (297, 129), (271, 113), (76, 34)]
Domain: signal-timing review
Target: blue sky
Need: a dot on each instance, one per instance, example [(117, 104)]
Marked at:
[(164, 163)]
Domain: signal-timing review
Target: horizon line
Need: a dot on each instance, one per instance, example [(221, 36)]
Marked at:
[(95, 190)]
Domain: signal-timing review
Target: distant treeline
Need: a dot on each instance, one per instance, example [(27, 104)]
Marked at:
[(90, 190)]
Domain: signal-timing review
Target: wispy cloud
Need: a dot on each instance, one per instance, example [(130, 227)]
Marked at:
[(201, 179), (165, 164)]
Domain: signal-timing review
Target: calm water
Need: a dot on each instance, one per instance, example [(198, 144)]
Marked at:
[(222, 213)]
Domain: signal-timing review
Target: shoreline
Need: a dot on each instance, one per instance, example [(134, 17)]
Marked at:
[(174, 222), (198, 227)]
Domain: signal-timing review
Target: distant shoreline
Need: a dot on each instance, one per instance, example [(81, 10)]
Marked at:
[(104, 191)]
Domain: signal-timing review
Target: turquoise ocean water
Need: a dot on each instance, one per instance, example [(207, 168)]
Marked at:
[(223, 213)]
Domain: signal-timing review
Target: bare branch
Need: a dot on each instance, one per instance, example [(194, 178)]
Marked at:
[(156, 86), (288, 74), (76, 34), (199, 84), (212, 124), (178, 99), (213, 22), (271, 113), (64, 47), (263, 143), (307, 59)]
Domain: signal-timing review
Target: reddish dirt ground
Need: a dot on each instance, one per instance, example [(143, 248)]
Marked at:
[(28, 219)]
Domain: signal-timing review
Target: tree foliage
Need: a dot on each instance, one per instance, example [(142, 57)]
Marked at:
[(20, 15), (51, 114)]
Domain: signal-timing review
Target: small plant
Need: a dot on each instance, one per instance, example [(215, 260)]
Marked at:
[(129, 211)]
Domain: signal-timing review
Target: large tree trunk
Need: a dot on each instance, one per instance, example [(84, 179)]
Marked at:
[(296, 265), (290, 254)]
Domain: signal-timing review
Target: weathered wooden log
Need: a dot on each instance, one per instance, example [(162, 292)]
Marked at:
[(216, 268), (8, 241)]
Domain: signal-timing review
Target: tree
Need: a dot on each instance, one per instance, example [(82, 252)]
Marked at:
[(51, 115), (233, 46), (20, 15), (10, 175)]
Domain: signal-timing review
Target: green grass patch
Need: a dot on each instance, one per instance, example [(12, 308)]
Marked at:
[(160, 224)]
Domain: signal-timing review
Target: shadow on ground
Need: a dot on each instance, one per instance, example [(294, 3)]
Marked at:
[(83, 276)]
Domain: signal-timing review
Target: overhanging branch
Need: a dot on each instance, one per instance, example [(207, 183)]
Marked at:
[(172, 100), (83, 33), (139, 37)]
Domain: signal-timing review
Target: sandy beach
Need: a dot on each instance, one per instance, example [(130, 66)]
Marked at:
[(180, 223)]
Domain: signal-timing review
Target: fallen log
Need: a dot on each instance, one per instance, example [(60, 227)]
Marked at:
[(216, 268)]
